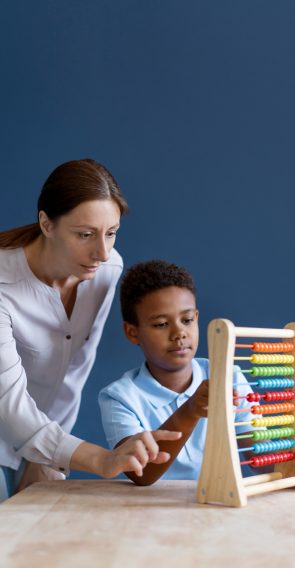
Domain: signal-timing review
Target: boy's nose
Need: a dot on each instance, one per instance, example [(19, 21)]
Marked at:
[(179, 333)]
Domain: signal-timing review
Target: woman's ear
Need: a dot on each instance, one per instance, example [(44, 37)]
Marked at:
[(45, 223), (131, 332)]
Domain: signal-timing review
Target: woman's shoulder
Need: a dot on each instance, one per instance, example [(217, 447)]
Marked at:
[(114, 260), (10, 260), (109, 272)]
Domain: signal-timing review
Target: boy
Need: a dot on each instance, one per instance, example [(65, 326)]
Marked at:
[(170, 390)]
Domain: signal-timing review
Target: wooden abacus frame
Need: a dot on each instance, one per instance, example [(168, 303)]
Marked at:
[(221, 480)]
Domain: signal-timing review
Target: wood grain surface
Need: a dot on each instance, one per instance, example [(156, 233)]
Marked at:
[(115, 524)]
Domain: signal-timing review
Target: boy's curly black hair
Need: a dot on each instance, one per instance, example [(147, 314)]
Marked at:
[(146, 277)]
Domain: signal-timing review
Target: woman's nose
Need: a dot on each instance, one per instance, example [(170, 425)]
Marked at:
[(100, 252)]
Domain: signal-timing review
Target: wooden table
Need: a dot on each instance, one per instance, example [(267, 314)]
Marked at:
[(114, 524)]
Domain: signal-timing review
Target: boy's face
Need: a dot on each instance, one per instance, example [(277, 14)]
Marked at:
[(167, 329)]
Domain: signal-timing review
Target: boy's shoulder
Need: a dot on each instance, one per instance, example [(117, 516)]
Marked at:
[(202, 365), (122, 385)]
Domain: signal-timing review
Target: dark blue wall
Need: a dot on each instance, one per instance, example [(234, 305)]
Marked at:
[(191, 105)]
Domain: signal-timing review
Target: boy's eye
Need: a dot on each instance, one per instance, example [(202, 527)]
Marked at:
[(187, 321), (160, 325)]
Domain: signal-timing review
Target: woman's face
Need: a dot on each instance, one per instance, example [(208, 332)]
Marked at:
[(83, 238)]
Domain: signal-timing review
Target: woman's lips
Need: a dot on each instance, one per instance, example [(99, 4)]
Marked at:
[(90, 268)]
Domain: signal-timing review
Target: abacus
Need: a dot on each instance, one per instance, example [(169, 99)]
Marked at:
[(221, 480)]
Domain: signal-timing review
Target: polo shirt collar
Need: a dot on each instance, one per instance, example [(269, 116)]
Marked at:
[(157, 394)]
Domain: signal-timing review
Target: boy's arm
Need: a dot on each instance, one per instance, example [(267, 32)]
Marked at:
[(184, 420)]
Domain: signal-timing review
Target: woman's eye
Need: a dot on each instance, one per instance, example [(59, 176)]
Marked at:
[(112, 234), (85, 235), (187, 321)]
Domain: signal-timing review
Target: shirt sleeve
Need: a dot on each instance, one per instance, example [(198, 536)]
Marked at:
[(118, 420), (22, 425)]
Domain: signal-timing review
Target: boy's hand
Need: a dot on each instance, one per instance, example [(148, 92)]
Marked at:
[(235, 397), (200, 399), (136, 452)]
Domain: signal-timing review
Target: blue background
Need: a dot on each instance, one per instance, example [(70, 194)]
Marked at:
[(191, 105)]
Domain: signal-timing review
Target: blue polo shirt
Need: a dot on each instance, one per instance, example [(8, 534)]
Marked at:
[(138, 402)]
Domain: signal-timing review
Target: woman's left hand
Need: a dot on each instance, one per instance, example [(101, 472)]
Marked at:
[(36, 472)]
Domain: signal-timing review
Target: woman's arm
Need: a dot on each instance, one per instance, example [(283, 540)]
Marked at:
[(184, 420), (35, 437), (132, 454)]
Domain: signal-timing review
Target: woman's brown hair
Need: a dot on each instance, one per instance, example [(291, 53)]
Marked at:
[(69, 185)]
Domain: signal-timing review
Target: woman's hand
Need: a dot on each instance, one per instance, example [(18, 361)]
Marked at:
[(131, 455), (137, 451), (36, 472)]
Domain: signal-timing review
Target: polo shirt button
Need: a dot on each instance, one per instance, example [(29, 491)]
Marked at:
[(68, 337)]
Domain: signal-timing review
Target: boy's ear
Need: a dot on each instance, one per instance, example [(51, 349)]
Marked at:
[(131, 332)]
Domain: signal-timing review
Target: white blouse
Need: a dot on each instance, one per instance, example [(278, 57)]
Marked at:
[(45, 358)]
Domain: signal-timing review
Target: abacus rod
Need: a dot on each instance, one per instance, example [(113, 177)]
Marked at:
[(242, 436), (283, 483), (263, 332), (269, 359), (262, 478), (252, 383)]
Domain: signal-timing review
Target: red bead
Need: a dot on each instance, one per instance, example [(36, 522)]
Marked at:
[(269, 459), (254, 397)]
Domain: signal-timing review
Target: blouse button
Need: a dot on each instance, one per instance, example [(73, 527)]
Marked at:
[(68, 337)]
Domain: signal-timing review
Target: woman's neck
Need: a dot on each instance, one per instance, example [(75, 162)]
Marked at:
[(39, 259), (42, 265)]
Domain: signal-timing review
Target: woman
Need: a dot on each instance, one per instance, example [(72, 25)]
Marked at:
[(57, 282)]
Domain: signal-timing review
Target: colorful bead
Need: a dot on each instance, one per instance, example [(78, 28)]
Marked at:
[(275, 383), (270, 459), (273, 359), (273, 347), (271, 371), (273, 408), (273, 446), (274, 433), (273, 421), (270, 396), (279, 395), (254, 397)]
